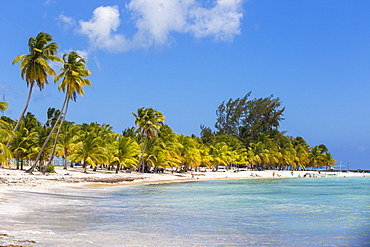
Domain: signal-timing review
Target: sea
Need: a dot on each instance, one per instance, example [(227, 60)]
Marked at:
[(330, 211)]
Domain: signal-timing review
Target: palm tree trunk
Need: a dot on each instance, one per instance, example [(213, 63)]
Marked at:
[(142, 160), (57, 135), (47, 139), (22, 114), (65, 162), (84, 166)]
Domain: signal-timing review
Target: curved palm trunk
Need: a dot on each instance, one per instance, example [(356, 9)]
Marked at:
[(22, 114), (47, 140), (57, 135)]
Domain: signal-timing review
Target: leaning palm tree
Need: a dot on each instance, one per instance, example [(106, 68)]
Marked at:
[(148, 122), (35, 67), (73, 73)]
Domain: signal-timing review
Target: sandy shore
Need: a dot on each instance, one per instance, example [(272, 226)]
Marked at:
[(64, 180), (16, 179)]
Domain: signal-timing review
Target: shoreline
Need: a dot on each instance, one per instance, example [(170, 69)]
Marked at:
[(20, 180), (72, 182)]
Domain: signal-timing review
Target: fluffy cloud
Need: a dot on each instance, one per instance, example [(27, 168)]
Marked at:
[(222, 21), (100, 29), (155, 20)]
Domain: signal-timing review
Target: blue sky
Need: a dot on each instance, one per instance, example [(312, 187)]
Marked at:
[(184, 58)]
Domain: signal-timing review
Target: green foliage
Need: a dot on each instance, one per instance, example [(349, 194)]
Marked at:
[(3, 106), (247, 119), (51, 169), (52, 115), (232, 115), (206, 134), (148, 122), (35, 68), (73, 73), (247, 130)]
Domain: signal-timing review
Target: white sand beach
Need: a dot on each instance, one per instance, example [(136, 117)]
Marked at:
[(18, 189), (20, 180)]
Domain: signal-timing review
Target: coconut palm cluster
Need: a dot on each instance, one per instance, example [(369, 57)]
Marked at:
[(246, 138)]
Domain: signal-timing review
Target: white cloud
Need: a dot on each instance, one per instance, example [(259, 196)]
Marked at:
[(100, 29), (65, 21), (222, 21), (155, 20)]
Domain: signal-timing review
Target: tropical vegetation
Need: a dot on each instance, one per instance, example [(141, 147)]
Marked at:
[(246, 134)]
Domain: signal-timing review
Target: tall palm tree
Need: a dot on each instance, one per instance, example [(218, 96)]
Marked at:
[(35, 67), (148, 122), (73, 73)]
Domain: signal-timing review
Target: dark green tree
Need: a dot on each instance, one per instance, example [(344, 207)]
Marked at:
[(248, 119)]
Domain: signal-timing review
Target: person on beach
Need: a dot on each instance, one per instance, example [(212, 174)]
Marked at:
[(273, 174)]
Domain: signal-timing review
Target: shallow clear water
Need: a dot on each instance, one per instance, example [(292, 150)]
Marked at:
[(264, 212)]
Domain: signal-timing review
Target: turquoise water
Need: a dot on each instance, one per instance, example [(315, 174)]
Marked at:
[(264, 212)]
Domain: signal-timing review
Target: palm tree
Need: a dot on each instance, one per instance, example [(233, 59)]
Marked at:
[(3, 106), (35, 67), (35, 152), (52, 115), (66, 142), (301, 156), (328, 160), (188, 152), (148, 122), (126, 152), (73, 71), (22, 142), (88, 150), (316, 156), (5, 135)]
